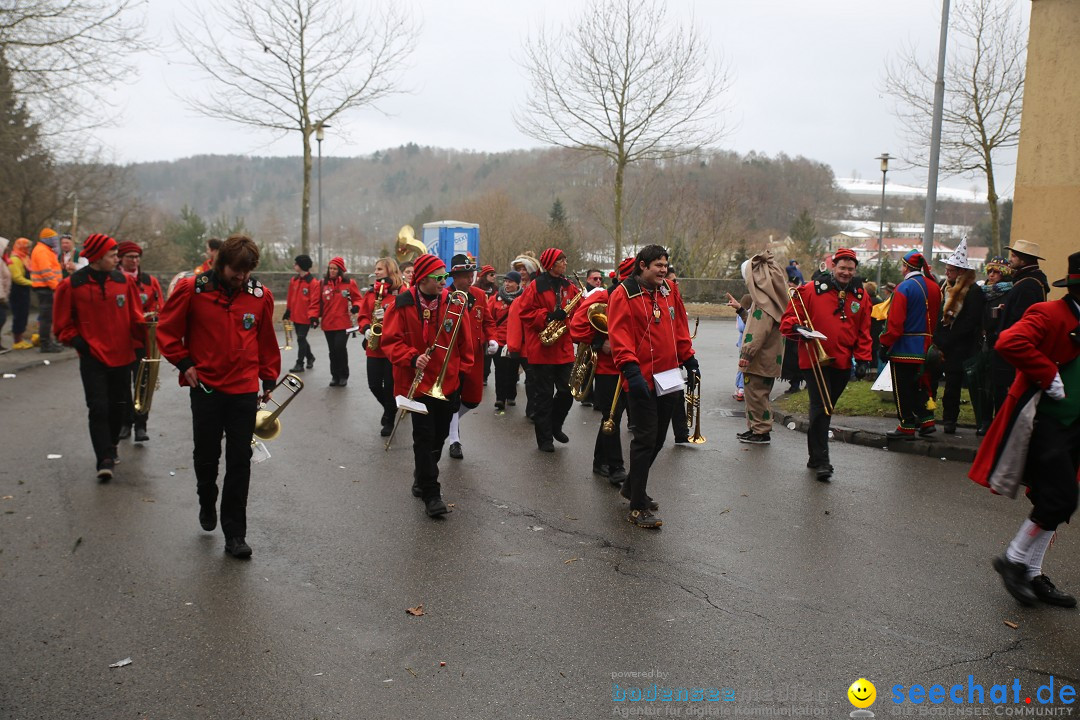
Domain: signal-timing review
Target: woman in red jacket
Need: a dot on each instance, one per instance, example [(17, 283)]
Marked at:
[(340, 300), (373, 308)]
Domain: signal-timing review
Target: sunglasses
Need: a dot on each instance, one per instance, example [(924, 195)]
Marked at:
[(439, 277)]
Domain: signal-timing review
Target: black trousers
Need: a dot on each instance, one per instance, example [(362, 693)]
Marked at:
[(45, 304), (380, 381), (1050, 473), (429, 435), (552, 400), (911, 396), (950, 400), (678, 418), (608, 448), (649, 418), (817, 436), (487, 366), (530, 388), (214, 414), (304, 349), (108, 397), (134, 418), (337, 341), (506, 377)]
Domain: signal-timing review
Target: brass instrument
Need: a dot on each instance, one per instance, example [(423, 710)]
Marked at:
[(146, 377), (584, 369), (608, 426), (408, 248), (693, 407), (818, 358), (376, 325), (288, 327), (457, 297), (267, 424), (557, 328), (697, 321)]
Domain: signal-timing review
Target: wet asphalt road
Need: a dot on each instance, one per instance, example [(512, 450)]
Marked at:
[(536, 591)]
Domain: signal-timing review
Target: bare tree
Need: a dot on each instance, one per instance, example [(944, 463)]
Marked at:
[(623, 82), (295, 65), (984, 93), (63, 55)]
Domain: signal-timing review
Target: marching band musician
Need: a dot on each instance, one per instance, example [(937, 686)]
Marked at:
[(340, 301), (607, 451), (543, 303), (152, 299), (506, 366), (218, 330), (838, 307), (302, 309), (418, 321), (485, 280), (373, 307), (98, 312), (649, 335), (462, 268)]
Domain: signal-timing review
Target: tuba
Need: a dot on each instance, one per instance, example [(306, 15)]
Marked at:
[(584, 369), (408, 248), (557, 328), (146, 377), (267, 425)]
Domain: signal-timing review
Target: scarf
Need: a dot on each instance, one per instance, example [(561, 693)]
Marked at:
[(508, 298), (993, 292)]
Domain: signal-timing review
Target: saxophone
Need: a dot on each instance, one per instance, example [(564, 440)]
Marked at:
[(557, 328), (376, 325)]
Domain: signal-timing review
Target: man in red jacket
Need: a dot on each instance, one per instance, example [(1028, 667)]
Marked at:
[(839, 308), (217, 328), (302, 309), (462, 269), (1035, 438), (420, 322), (650, 340), (545, 302), (151, 300), (97, 311)]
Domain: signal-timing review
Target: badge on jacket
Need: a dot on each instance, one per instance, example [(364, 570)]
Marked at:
[(304, 291), (448, 325), (855, 307), (120, 300), (143, 297), (671, 312), (249, 320), (345, 294)]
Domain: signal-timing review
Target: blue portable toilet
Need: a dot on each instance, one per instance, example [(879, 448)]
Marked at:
[(446, 238)]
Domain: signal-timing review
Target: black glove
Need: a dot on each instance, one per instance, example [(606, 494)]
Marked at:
[(861, 368), (795, 331), (269, 385), (637, 384), (286, 316), (598, 341), (314, 323), (883, 353), (355, 309), (556, 314), (81, 346), (691, 365)]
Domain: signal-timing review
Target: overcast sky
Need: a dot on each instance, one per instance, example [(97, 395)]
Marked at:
[(806, 81)]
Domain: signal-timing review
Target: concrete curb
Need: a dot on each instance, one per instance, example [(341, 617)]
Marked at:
[(39, 361), (942, 447)]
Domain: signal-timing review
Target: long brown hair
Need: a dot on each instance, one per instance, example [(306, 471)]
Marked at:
[(392, 271)]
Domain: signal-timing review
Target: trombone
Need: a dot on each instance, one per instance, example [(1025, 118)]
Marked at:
[(287, 325), (457, 297), (267, 425), (818, 358), (693, 407)]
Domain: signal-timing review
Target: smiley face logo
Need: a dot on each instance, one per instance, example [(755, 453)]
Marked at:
[(862, 693)]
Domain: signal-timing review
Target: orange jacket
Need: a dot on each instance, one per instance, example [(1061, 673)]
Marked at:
[(44, 267)]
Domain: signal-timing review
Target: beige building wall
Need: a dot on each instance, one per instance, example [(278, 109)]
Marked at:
[(1047, 198)]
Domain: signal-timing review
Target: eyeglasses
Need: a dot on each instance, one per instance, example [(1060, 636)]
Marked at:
[(439, 277)]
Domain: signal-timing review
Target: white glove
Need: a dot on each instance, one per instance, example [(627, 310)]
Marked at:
[(505, 351), (492, 347), (1057, 388), (367, 334), (379, 314)]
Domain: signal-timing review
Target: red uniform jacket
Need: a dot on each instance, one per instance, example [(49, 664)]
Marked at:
[(1036, 345), (847, 333), (302, 301), (229, 339), (339, 298), (481, 326), (582, 331), (543, 295), (367, 314), (107, 316), (635, 334), (515, 330), (407, 335), (499, 314)]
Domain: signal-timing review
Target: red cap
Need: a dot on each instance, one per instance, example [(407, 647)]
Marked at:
[(340, 262), (844, 254), (549, 257), (487, 269), (127, 247), (427, 264), (626, 267), (96, 246)]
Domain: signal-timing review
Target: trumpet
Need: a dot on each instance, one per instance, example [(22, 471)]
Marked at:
[(557, 328), (267, 424), (693, 407), (146, 377), (584, 369), (457, 297), (376, 325), (608, 426), (817, 354), (287, 326), (697, 321)]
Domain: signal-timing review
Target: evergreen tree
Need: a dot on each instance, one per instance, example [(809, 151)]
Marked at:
[(189, 233), (557, 216), (26, 168), (807, 246)]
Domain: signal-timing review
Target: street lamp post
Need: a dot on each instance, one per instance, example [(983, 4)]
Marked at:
[(884, 158), (318, 139)]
